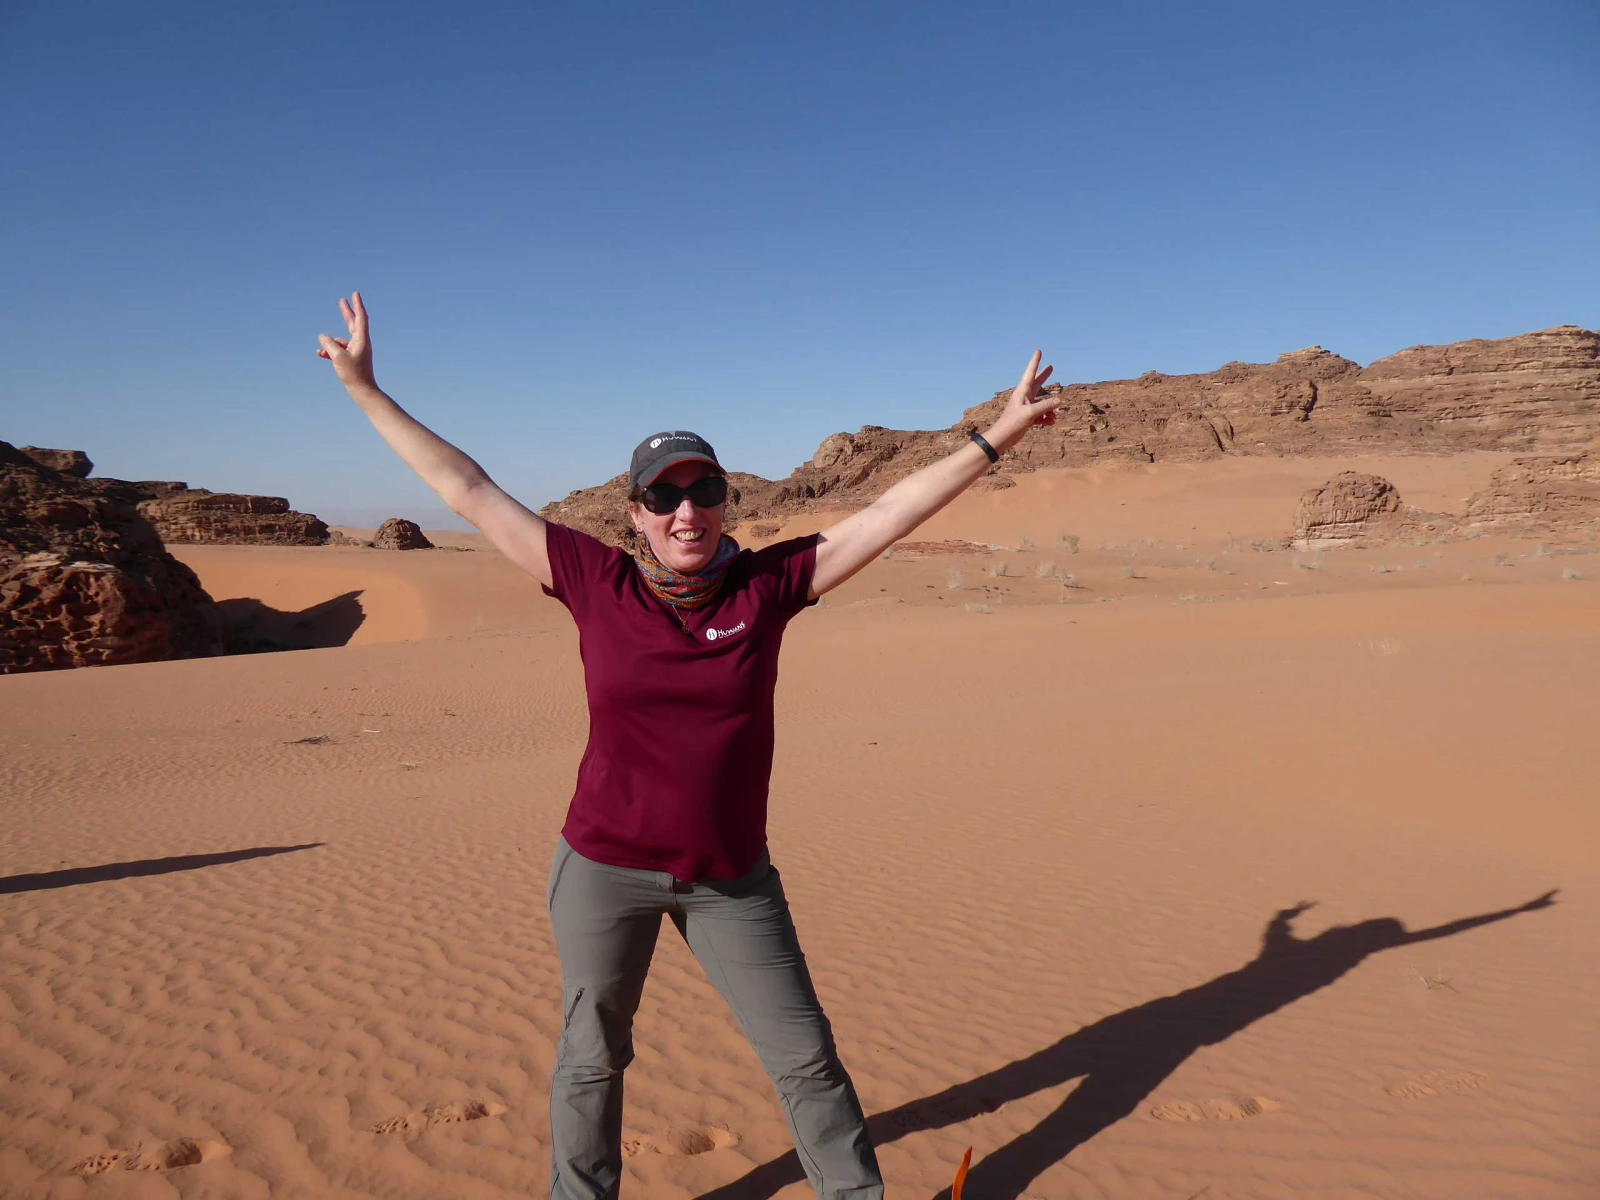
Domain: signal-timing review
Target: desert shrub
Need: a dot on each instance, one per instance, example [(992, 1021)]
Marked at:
[(1024, 543), (998, 569), (955, 581), (1569, 573), (1067, 542), (1045, 570), (1131, 572), (975, 607)]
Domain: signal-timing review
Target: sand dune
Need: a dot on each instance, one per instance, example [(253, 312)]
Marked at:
[(1222, 879)]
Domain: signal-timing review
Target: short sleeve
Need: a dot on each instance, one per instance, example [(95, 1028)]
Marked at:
[(784, 571), (577, 563)]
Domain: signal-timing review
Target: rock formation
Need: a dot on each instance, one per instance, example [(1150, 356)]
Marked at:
[(397, 533), (69, 462), (1540, 496), (1349, 507), (84, 579), (1538, 393), (194, 516)]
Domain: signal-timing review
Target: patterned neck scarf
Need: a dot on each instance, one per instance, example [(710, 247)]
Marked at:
[(685, 592)]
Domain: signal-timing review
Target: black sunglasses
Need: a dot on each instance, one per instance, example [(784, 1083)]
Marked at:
[(664, 498)]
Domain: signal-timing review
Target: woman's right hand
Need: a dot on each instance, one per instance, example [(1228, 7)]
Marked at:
[(351, 357)]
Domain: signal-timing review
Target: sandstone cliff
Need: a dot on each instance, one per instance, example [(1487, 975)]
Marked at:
[(1537, 393), (84, 579), (1534, 496), (194, 516), (185, 515)]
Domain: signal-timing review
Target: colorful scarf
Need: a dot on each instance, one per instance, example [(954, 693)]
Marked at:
[(685, 592)]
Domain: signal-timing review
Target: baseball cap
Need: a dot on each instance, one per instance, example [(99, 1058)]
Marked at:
[(662, 450)]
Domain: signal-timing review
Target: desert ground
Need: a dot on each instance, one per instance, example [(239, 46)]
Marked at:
[(1159, 864)]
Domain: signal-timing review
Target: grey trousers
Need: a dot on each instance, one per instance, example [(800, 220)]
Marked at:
[(606, 920)]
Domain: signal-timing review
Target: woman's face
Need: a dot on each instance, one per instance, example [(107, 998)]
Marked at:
[(685, 539)]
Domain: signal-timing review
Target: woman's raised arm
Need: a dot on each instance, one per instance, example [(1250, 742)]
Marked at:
[(855, 541), (459, 481)]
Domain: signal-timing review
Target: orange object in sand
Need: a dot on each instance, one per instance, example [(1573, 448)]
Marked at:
[(961, 1175)]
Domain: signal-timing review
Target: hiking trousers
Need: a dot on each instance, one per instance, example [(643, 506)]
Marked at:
[(606, 921)]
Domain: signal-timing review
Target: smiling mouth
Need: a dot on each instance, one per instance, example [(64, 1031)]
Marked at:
[(689, 535)]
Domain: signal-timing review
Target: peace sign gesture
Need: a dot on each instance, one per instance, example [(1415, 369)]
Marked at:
[(352, 356)]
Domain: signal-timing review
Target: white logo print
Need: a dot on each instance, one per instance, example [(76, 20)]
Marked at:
[(671, 437), (713, 634)]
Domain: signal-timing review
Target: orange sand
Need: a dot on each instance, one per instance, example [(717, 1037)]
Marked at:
[(1007, 835)]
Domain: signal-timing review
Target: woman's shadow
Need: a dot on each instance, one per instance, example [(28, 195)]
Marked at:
[(1123, 1058)]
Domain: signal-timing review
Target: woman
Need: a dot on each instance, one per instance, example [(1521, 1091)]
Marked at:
[(680, 650)]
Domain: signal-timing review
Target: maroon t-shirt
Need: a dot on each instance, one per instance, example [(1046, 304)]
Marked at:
[(680, 723)]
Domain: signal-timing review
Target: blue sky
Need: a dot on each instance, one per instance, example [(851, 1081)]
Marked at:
[(577, 224)]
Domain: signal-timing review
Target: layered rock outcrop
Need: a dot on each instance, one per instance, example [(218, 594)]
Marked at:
[(69, 462), (193, 516), (183, 515), (84, 579), (1536, 393), (397, 533), (1540, 496), (1350, 507)]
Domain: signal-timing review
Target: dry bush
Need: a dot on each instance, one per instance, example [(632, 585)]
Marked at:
[(998, 569), (955, 581), (1045, 570), (1067, 542), (974, 607)]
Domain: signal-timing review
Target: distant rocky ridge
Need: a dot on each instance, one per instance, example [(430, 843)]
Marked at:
[(84, 578), (194, 516), (1538, 393)]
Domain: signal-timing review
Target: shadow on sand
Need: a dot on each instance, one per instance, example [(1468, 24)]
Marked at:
[(1123, 1058), (45, 880), (256, 628)]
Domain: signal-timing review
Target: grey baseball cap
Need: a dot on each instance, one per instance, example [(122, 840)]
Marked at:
[(662, 450)]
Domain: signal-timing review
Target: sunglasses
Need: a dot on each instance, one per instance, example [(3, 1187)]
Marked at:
[(664, 498)]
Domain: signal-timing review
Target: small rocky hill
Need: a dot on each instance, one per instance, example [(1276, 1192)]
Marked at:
[(1538, 393)]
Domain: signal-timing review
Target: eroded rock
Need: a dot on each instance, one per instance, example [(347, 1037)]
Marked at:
[(1351, 506), (85, 580), (1540, 496), (397, 533), (194, 516)]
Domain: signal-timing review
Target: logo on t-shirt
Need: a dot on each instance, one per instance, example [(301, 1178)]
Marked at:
[(713, 634)]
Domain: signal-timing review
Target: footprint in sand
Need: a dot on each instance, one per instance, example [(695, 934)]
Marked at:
[(1236, 1108), (441, 1114), (1430, 1082), (164, 1156), (678, 1141)]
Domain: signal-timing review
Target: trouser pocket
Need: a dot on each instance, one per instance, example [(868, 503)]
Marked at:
[(558, 864)]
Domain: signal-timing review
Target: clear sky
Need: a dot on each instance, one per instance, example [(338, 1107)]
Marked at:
[(577, 224)]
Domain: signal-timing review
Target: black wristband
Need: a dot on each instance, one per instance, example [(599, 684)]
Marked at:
[(983, 444)]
